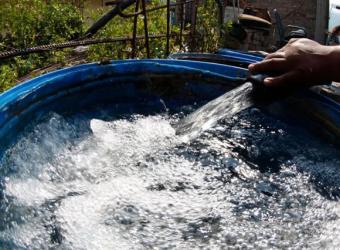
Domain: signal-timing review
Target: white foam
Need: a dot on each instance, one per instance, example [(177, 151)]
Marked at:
[(126, 185)]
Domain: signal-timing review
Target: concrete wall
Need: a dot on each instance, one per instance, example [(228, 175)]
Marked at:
[(295, 12)]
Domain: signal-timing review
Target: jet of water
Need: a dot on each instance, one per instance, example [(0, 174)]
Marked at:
[(223, 107)]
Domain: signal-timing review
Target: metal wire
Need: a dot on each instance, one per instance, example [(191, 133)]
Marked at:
[(193, 24), (181, 24), (146, 32), (134, 33), (59, 46), (118, 10), (144, 12), (136, 13), (167, 50)]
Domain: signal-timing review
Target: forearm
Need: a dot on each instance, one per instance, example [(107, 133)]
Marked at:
[(333, 63), (301, 61)]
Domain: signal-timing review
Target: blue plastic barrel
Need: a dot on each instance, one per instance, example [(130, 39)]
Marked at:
[(228, 59), (80, 87), (76, 88), (241, 54)]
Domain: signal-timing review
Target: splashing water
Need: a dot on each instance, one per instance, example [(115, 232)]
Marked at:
[(223, 107), (74, 183)]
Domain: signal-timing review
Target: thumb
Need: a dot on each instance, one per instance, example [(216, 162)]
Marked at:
[(286, 79)]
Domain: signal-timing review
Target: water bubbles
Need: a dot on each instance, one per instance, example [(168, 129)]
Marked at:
[(79, 183)]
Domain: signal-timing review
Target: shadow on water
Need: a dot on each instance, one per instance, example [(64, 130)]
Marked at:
[(264, 141), (266, 144)]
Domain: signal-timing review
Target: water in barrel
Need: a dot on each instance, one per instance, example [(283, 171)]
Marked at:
[(129, 182)]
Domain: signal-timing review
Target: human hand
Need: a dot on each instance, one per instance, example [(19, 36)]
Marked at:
[(301, 61)]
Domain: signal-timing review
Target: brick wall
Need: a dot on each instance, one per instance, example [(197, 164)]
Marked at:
[(295, 12)]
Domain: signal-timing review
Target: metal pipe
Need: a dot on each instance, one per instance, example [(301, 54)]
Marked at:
[(107, 17)]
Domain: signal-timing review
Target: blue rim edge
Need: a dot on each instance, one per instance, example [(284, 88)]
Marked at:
[(30, 96), (47, 87)]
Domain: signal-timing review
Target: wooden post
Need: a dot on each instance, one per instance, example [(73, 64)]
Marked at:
[(321, 24)]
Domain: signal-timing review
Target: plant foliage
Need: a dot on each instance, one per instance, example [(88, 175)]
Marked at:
[(28, 23)]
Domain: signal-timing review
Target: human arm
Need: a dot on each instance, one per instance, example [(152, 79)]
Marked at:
[(301, 61)]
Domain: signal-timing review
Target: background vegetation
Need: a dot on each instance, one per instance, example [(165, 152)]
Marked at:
[(28, 23)]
